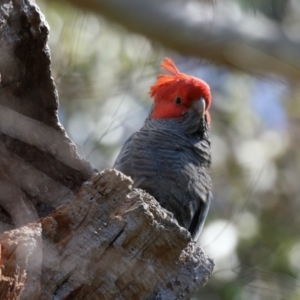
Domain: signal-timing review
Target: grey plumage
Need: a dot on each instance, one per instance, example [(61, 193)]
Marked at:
[(170, 159)]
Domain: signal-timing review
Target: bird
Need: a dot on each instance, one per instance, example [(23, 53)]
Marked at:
[(170, 156)]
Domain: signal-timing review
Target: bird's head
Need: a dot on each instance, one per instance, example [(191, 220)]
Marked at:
[(178, 94)]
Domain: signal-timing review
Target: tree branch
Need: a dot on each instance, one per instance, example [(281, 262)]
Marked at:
[(244, 42)]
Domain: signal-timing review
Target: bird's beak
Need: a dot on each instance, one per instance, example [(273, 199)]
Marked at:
[(199, 107)]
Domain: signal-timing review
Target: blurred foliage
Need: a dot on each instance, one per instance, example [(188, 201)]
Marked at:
[(103, 74)]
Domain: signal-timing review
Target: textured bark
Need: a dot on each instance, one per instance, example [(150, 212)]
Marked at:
[(111, 242), (59, 241)]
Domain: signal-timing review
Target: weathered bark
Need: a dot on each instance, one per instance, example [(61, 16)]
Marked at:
[(110, 242), (103, 241)]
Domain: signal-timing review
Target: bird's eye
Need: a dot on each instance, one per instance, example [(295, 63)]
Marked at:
[(178, 100)]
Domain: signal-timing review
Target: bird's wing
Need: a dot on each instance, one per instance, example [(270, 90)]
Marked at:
[(123, 162), (190, 189), (200, 217), (169, 168)]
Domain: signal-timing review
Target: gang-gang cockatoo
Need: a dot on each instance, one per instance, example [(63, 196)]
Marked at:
[(170, 157)]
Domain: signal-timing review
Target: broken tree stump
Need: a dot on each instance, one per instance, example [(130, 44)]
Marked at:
[(110, 242)]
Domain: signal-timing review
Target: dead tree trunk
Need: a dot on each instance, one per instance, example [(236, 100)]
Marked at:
[(67, 231)]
